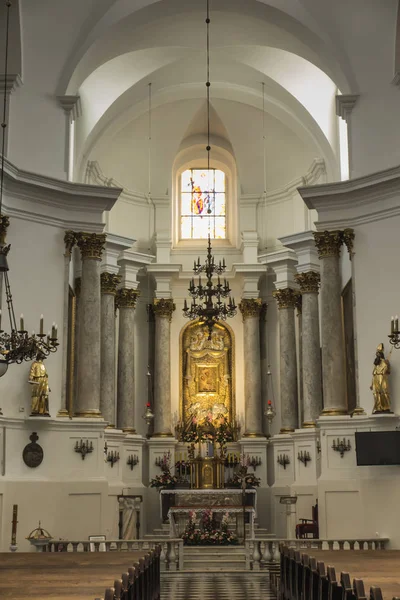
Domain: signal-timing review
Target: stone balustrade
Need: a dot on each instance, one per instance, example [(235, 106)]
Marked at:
[(171, 549)]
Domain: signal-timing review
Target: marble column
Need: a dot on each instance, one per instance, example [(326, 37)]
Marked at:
[(251, 309), (108, 286), (126, 302), (328, 244), (287, 299), (163, 309), (88, 376), (311, 353), (69, 241)]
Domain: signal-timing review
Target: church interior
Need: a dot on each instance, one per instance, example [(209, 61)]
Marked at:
[(199, 241)]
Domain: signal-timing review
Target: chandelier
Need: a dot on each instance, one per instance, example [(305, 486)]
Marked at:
[(18, 345), (211, 309)]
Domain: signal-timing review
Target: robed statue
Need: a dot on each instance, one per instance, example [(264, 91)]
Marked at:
[(380, 382), (39, 380)]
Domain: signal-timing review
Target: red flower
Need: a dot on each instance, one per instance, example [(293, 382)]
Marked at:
[(269, 402)]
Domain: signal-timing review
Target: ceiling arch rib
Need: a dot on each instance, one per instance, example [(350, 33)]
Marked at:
[(251, 23)]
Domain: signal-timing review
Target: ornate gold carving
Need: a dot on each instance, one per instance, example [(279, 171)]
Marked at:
[(164, 308), (69, 241), (308, 282), (328, 243), (78, 285), (109, 282), (286, 430), (89, 414), (333, 412), (348, 238), (250, 307), (4, 225), (91, 245), (285, 298), (126, 298), (206, 373), (309, 425)]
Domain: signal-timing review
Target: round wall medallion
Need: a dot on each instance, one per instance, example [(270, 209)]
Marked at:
[(33, 452)]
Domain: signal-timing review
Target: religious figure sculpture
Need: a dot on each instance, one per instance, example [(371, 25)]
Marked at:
[(380, 382), (39, 380)]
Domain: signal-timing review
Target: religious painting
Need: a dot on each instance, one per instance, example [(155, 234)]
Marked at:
[(350, 359), (206, 379), (203, 204)]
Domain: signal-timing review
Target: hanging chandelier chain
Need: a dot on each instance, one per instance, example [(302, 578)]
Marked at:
[(4, 123), (208, 84)]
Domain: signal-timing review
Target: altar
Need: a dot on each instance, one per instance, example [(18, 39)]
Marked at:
[(177, 504)]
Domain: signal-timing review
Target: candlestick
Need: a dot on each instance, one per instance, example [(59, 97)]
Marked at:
[(392, 325), (14, 525), (21, 322)]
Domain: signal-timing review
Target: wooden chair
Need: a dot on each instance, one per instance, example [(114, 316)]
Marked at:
[(308, 527)]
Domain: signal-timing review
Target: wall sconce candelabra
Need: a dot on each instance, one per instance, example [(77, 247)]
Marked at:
[(283, 460), (304, 457), (113, 457), (159, 462), (319, 446), (341, 446), (83, 448), (394, 336), (132, 461), (254, 461)]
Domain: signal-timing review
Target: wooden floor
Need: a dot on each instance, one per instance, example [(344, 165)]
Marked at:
[(61, 576), (380, 568)]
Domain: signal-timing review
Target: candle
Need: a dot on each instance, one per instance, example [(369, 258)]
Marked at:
[(21, 322), (392, 325), (184, 305), (14, 525), (55, 331), (396, 324), (41, 324)]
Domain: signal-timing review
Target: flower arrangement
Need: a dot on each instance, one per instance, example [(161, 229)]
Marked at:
[(249, 479), (165, 480), (207, 534), (223, 433)]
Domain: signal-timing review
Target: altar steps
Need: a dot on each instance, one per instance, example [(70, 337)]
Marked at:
[(214, 559)]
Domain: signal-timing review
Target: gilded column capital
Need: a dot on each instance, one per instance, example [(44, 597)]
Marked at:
[(126, 297), (328, 243), (285, 298), (78, 285), (4, 225), (164, 308), (91, 245), (263, 312), (69, 242), (309, 282), (348, 239), (109, 282), (298, 303), (250, 307)]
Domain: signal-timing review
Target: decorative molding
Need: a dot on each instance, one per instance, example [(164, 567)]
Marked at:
[(126, 298), (71, 106), (4, 225), (348, 239), (309, 282), (303, 244), (69, 241), (115, 246), (328, 243), (58, 203), (13, 82), (345, 104), (95, 175), (91, 245), (250, 308), (109, 282), (164, 308), (283, 263), (298, 303), (286, 298)]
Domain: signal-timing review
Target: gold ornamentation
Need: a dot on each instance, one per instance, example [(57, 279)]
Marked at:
[(206, 373), (4, 225), (309, 425), (285, 298), (126, 298), (91, 245), (286, 430), (380, 382), (250, 307), (164, 308), (69, 241), (348, 238), (109, 282), (39, 380), (93, 413), (309, 282), (328, 243), (78, 285), (333, 412)]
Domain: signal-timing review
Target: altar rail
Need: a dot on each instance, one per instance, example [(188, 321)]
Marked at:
[(304, 576), (171, 557), (264, 553)]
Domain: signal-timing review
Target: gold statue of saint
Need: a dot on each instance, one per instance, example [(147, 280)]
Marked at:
[(380, 382), (39, 380)]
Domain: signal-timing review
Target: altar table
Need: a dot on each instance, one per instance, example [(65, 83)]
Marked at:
[(236, 511), (207, 498)]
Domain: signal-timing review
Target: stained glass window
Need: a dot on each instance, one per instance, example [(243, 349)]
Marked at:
[(203, 204)]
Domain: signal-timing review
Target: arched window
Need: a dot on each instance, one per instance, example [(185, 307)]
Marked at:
[(202, 204)]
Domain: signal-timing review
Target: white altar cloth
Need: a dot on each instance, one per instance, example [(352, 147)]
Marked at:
[(225, 492), (231, 510)]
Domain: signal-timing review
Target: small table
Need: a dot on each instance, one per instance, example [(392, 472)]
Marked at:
[(238, 511)]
